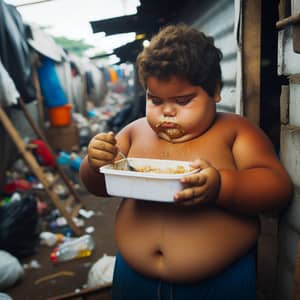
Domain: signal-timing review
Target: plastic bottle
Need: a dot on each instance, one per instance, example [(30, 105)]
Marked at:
[(75, 248), (50, 239)]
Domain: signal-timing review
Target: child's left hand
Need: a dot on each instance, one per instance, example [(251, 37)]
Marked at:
[(202, 187)]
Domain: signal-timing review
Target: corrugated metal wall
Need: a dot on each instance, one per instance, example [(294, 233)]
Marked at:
[(217, 19), (289, 234)]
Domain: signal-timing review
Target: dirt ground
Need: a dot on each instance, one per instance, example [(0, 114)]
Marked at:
[(33, 287)]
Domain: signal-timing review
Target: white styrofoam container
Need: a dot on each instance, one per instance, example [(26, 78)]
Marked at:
[(145, 185)]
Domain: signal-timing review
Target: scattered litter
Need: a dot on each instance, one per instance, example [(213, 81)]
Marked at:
[(90, 229), (4, 296), (61, 221), (73, 249), (102, 271), (10, 270), (52, 276), (34, 264), (50, 239), (87, 264), (15, 197), (86, 213)]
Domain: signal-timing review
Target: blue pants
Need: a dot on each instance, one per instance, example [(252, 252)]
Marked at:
[(237, 282)]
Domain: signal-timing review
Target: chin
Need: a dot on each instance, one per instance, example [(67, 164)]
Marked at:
[(174, 139)]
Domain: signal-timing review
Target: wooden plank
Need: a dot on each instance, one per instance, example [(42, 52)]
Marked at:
[(84, 292), (22, 147), (69, 201), (39, 97), (75, 210), (35, 167), (58, 203), (251, 61), (40, 134)]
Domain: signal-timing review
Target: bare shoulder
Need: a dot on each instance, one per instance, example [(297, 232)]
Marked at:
[(239, 126), (131, 132), (134, 127), (250, 145), (231, 119)]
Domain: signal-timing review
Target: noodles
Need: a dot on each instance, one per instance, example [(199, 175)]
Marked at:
[(149, 169)]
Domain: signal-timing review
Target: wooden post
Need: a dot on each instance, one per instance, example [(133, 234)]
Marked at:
[(251, 61), (36, 169)]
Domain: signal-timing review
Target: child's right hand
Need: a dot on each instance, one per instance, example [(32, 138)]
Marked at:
[(102, 150)]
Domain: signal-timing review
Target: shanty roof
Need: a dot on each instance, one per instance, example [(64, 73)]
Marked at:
[(151, 15)]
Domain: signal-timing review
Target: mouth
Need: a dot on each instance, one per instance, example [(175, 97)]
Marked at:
[(169, 130), (168, 125)]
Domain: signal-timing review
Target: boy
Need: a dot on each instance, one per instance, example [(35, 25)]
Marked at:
[(202, 246)]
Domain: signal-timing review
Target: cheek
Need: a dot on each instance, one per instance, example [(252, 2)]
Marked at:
[(190, 114), (152, 116), (153, 111), (191, 119)]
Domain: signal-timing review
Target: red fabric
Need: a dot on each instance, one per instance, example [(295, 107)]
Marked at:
[(16, 185), (44, 155)]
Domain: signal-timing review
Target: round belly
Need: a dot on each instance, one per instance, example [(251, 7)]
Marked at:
[(181, 244)]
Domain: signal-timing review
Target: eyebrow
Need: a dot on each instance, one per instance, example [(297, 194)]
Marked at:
[(173, 97)]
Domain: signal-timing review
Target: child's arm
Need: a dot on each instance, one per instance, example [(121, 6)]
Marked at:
[(258, 184), (102, 150)]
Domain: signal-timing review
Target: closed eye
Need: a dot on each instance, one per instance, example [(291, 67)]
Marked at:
[(154, 100), (183, 100)]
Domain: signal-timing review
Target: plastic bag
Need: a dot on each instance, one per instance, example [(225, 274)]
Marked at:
[(4, 296), (10, 270), (51, 88), (18, 227), (101, 271)]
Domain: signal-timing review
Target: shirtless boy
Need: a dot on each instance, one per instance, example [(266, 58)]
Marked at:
[(202, 246)]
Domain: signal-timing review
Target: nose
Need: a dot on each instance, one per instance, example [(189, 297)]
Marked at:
[(169, 109)]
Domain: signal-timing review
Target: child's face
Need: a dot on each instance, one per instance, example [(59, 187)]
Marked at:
[(178, 111)]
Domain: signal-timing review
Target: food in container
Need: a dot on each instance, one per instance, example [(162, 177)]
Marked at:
[(154, 180)]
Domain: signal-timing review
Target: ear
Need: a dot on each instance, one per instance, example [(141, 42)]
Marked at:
[(217, 95)]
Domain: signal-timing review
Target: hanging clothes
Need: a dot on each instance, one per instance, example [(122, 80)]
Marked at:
[(14, 51), (8, 92)]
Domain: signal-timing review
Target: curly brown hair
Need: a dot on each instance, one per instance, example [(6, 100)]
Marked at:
[(185, 52)]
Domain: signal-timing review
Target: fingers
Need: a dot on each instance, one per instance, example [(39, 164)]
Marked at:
[(199, 187), (102, 150), (194, 179), (195, 200), (103, 146), (106, 137), (191, 195), (200, 164), (196, 187)]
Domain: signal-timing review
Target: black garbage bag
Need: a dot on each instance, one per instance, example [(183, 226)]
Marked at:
[(18, 227)]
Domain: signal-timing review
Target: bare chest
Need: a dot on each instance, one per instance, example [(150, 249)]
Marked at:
[(217, 150)]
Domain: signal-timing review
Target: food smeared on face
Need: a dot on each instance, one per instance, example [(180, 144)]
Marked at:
[(168, 128)]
